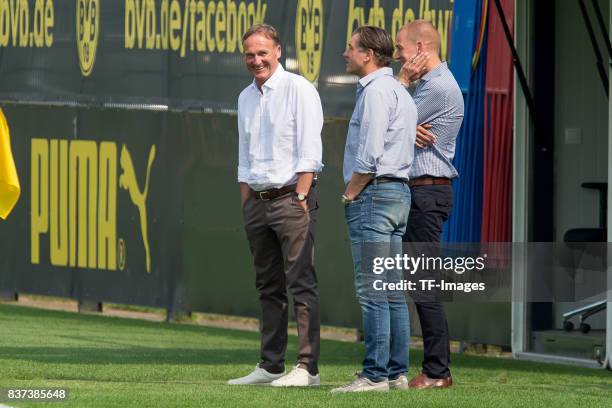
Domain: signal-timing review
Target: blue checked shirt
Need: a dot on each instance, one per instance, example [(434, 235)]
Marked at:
[(382, 130), (439, 102)]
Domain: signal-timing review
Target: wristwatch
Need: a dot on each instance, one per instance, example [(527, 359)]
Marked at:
[(301, 196)]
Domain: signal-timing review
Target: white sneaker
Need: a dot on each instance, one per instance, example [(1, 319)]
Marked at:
[(298, 377), (400, 383), (257, 376), (362, 384)]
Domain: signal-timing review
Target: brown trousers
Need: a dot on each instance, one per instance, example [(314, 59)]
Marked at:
[(281, 238)]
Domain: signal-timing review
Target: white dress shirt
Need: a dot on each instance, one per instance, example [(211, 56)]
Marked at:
[(279, 130)]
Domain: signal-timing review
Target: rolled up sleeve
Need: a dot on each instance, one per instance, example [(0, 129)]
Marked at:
[(309, 123), (243, 149)]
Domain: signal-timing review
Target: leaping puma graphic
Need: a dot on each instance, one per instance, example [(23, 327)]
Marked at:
[(127, 181)]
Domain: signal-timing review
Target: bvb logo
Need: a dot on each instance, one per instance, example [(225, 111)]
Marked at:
[(309, 37), (87, 28)]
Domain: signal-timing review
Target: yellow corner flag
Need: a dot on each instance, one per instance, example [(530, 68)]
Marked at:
[(9, 183)]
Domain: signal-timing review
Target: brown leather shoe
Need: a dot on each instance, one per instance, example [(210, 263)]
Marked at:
[(422, 381)]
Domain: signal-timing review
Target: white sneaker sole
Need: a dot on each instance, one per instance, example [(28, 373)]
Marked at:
[(334, 391), (294, 385), (253, 383), (368, 390)]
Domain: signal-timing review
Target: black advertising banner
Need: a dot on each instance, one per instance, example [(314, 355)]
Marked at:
[(88, 222), (185, 55), (125, 142), (142, 207)]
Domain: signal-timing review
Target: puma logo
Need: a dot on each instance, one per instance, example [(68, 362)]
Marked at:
[(127, 181)]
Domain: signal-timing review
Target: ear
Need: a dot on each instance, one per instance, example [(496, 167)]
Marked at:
[(279, 51)]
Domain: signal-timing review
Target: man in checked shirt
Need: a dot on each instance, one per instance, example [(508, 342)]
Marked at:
[(439, 104)]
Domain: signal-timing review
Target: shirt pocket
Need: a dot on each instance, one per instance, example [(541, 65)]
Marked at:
[(285, 137), (278, 135)]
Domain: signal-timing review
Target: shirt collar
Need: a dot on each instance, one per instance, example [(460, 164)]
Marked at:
[(376, 74), (437, 71), (274, 79)]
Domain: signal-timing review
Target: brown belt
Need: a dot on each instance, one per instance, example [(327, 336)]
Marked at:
[(429, 181), (273, 193)]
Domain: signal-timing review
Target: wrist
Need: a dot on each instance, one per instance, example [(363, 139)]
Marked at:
[(346, 198)]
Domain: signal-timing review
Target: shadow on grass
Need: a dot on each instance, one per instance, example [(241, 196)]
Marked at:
[(129, 355), (460, 361), (82, 320), (333, 353)]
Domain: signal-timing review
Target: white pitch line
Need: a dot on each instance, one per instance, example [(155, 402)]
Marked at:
[(5, 406)]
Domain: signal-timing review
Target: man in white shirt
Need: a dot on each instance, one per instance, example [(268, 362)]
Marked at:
[(279, 124)]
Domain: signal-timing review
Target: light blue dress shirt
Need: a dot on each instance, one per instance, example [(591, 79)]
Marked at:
[(439, 102), (382, 130)]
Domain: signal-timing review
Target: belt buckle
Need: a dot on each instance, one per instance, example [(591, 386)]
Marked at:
[(262, 197)]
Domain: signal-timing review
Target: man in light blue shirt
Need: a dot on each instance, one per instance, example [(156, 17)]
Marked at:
[(377, 143), (377, 158)]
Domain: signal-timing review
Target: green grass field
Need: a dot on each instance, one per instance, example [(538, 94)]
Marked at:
[(112, 362)]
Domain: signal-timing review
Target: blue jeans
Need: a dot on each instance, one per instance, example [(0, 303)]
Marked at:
[(376, 222)]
